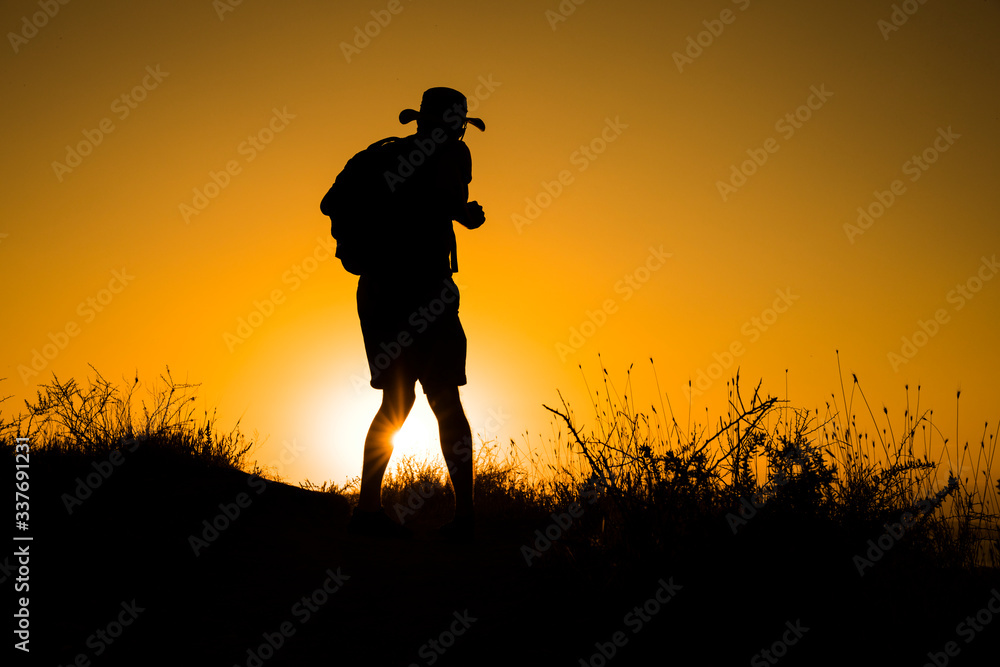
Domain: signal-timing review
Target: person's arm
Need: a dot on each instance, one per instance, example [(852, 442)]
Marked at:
[(472, 216), (467, 213)]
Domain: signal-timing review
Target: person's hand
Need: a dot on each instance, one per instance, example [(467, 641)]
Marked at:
[(474, 215)]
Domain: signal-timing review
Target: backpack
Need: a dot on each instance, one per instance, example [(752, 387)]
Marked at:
[(359, 204)]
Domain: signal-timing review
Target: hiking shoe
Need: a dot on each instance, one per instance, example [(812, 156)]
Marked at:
[(461, 529), (376, 524)]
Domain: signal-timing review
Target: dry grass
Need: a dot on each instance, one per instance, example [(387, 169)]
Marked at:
[(70, 419), (656, 483)]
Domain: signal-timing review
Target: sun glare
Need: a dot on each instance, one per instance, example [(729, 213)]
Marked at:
[(419, 435)]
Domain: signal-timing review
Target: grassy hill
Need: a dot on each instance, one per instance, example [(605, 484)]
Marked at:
[(157, 541)]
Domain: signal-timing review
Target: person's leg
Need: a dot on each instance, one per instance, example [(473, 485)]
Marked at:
[(397, 400), (456, 444)]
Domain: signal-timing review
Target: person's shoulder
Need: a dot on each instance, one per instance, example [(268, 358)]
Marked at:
[(401, 142), (458, 152), (463, 149)]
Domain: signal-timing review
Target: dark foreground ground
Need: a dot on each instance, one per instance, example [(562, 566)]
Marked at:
[(284, 584)]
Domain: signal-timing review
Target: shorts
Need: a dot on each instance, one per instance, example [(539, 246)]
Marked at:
[(412, 332)]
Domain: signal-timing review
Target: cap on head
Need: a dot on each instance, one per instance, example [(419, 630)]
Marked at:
[(442, 106)]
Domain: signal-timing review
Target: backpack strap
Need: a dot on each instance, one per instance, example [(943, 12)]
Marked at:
[(383, 142), (454, 251)]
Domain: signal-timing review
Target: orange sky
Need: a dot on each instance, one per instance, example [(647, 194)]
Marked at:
[(647, 195)]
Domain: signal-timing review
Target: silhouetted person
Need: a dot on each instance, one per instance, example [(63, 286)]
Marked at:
[(409, 307)]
